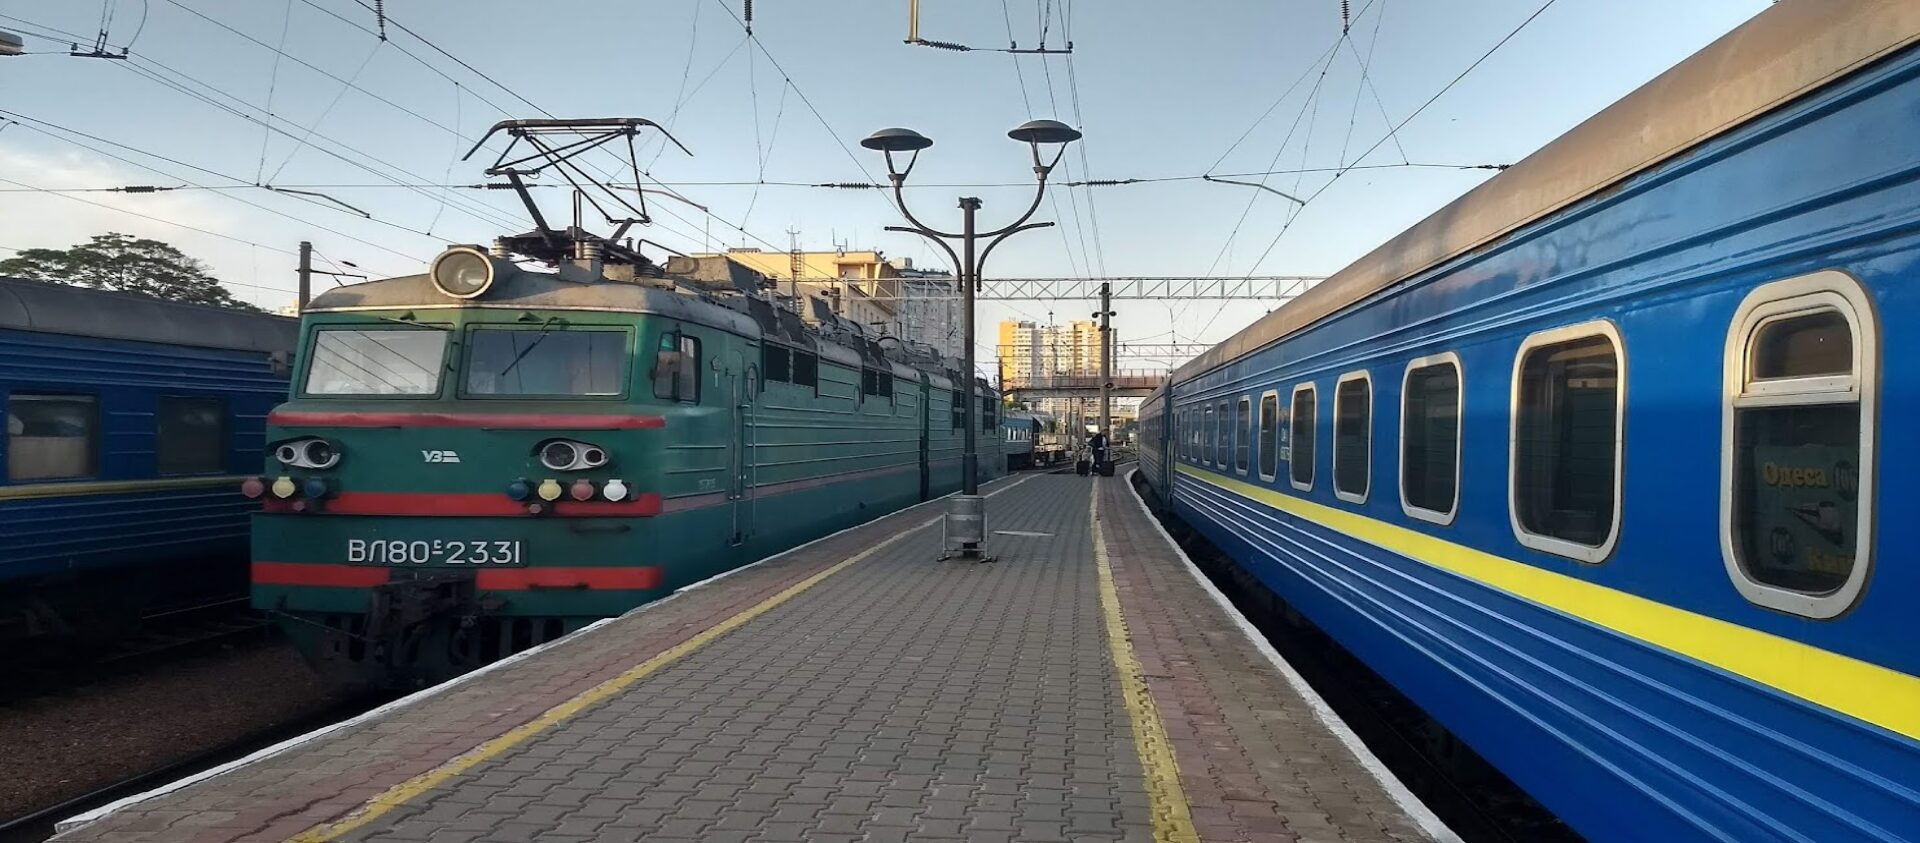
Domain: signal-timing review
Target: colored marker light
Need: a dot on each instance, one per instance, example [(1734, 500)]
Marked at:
[(549, 490), (253, 487), (283, 487), (615, 490), (582, 490), (519, 490), (315, 487)]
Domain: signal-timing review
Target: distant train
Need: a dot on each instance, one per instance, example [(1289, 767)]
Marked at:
[(482, 458), (1606, 465), (129, 420)]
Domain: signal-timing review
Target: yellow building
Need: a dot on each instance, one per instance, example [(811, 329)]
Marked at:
[(862, 291), (1029, 350)]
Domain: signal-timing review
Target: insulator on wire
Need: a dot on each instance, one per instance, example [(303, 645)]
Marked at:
[(849, 185), (380, 17), (747, 8), (944, 45), (1346, 20)]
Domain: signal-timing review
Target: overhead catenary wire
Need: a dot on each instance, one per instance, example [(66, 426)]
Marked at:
[(175, 224), (69, 135), (1403, 122), (346, 153)]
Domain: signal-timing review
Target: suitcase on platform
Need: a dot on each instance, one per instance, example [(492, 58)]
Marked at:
[(1083, 468)]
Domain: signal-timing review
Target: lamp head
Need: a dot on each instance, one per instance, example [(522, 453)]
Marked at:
[(1044, 131), (897, 140)]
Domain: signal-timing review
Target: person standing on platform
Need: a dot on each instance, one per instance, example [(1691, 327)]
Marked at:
[(1098, 444)]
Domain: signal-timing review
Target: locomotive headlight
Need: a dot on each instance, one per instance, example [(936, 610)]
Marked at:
[(308, 453), (464, 272), (320, 454), (559, 456), (569, 455)]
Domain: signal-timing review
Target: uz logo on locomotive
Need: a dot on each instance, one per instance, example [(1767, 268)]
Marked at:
[(440, 456)]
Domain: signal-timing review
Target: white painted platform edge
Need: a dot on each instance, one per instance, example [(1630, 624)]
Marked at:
[(97, 814), (1417, 810)]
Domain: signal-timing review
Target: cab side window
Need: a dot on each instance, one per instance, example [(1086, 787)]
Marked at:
[(676, 368)]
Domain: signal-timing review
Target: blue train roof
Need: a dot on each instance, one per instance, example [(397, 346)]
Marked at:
[(49, 308)]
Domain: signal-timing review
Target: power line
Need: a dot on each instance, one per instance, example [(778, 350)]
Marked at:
[(140, 67), (35, 124), (151, 218), (1409, 118)]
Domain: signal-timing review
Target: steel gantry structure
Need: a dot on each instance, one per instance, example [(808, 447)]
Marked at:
[(1278, 288)]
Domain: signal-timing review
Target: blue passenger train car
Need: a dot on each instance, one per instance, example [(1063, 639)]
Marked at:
[(1017, 436), (1604, 464), (128, 421)]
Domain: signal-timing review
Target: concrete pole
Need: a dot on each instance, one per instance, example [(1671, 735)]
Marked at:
[(306, 274)]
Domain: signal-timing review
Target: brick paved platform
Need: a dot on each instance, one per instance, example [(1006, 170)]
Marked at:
[(1086, 686)]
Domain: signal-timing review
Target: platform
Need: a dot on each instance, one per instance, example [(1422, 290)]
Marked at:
[(1088, 685)]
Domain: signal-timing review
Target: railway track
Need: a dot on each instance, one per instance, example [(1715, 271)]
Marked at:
[(169, 633), (1465, 791)]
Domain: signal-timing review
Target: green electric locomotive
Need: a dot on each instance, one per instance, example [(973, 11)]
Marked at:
[(492, 454), (482, 458)]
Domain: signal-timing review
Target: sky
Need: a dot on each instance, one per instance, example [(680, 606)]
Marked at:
[(1161, 90)]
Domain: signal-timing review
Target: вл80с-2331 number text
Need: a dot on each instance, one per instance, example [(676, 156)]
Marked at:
[(433, 552)]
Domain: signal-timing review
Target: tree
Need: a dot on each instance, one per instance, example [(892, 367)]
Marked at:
[(114, 261)]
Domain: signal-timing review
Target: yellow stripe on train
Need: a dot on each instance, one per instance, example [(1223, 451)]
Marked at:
[(116, 487), (1878, 695)]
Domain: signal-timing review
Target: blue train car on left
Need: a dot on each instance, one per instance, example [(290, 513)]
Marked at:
[(128, 422)]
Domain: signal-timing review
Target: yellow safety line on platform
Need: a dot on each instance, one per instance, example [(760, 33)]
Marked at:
[(1172, 821), (404, 792)]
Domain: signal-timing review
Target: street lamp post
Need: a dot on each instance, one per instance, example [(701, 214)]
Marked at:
[(967, 515)]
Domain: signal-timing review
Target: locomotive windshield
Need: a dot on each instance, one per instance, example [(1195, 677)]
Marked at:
[(509, 361), (376, 361)]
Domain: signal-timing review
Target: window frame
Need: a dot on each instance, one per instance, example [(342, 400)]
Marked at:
[(1824, 290), (1587, 554), (1445, 358), (312, 347), (1269, 435), (1223, 449), (469, 343), (226, 434), (1243, 407), (1293, 435), (1209, 430), (96, 434), (1363, 376)]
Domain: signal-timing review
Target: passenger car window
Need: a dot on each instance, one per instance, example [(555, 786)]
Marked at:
[(1565, 484), (190, 435), (1210, 430), (52, 437), (1798, 465), (1352, 437), (1430, 438), (1300, 467), (1243, 437), (1269, 436), (1223, 455), (575, 363), (376, 361)]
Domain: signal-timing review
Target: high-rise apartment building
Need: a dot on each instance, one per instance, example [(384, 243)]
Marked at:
[(1029, 350)]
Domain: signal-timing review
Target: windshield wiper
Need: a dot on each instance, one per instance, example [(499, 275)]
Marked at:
[(412, 324), (545, 329)]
